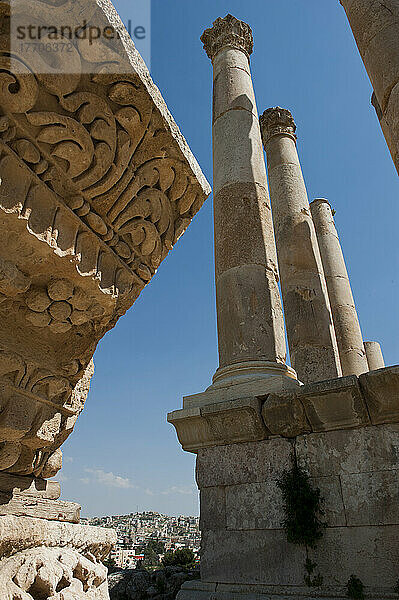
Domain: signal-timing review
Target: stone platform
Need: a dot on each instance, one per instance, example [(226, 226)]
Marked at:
[(345, 434)]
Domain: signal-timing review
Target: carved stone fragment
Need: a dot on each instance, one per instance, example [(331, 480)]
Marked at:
[(96, 186)]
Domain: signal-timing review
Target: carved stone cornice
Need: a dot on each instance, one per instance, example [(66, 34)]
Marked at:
[(277, 121), (97, 185), (228, 32)]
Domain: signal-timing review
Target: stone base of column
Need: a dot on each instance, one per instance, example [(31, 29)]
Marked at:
[(344, 433), (242, 379), (42, 558), (198, 590), (230, 409)]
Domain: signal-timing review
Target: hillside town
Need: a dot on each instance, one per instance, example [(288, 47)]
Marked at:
[(147, 536)]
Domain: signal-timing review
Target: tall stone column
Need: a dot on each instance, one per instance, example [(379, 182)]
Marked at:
[(310, 330), (249, 311), (374, 355), (375, 26), (346, 322)]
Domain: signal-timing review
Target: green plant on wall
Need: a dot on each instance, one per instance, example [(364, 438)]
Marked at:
[(302, 507), (303, 511), (355, 588)]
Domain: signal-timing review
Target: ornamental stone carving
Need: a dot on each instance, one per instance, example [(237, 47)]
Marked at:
[(53, 573), (225, 33), (96, 186), (275, 121)]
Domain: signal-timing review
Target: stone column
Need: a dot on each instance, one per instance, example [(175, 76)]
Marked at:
[(346, 322), (310, 330), (249, 311), (375, 26), (374, 355)]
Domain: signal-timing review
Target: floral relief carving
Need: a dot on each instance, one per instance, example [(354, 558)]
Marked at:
[(96, 186)]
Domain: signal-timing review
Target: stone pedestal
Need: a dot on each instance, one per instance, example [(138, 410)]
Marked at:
[(374, 355), (347, 327), (310, 329), (375, 26), (345, 434)]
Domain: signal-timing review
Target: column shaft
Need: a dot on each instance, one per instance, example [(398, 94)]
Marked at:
[(249, 311), (374, 355), (310, 330), (375, 26), (346, 322)]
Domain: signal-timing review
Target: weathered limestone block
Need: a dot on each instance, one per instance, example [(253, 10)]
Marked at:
[(259, 506), (335, 404), (370, 552), (371, 498), (213, 508), (375, 26), (23, 533), (284, 415), (41, 508), (238, 420), (362, 450), (252, 462), (193, 431), (251, 556), (47, 559), (381, 392), (251, 506), (97, 185)]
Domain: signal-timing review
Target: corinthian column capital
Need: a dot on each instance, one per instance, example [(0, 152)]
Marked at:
[(277, 121), (228, 32)]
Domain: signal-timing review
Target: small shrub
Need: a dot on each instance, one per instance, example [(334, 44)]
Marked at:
[(302, 507), (355, 588)]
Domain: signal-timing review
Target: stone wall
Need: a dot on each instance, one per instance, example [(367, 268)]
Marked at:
[(354, 461)]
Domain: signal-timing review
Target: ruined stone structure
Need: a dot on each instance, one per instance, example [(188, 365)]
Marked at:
[(97, 185), (375, 26), (249, 430)]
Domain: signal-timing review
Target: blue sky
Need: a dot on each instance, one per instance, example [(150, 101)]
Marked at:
[(123, 455)]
